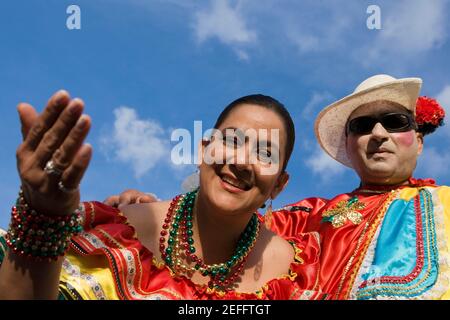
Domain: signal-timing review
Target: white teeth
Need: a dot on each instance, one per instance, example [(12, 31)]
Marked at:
[(234, 183)]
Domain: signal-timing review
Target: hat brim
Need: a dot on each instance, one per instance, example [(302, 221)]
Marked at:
[(330, 123)]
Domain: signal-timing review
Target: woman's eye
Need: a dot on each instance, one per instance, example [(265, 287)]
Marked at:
[(264, 155), (232, 141)]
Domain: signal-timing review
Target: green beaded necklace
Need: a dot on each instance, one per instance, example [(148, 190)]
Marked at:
[(180, 245)]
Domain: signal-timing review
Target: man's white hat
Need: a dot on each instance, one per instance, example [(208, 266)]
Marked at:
[(331, 121)]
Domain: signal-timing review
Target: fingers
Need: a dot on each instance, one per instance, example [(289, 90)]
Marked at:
[(146, 199), (45, 121), (112, 201), (132, 196), (65, 154), (129, 197), (71, 178), (28, 117), (54, 137)]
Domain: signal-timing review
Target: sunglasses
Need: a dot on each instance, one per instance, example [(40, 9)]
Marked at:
[(392, 122)]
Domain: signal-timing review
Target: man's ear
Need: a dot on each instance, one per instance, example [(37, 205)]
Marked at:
[(420, 143), (282, 182)]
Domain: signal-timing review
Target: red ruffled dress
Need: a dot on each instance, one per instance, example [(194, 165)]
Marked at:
[(107, 261)]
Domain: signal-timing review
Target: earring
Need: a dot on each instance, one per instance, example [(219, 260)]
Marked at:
[(268, 216), (192, 182)]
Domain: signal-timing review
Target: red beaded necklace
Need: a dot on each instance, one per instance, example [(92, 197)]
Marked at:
[(180, 245)]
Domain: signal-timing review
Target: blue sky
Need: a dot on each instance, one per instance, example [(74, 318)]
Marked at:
[(147, 67)]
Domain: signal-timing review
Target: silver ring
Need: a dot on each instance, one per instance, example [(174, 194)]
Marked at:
[(64, 189), (51, 169)]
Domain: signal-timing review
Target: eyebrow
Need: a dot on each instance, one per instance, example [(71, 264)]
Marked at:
[(267, 143), (228, 128)]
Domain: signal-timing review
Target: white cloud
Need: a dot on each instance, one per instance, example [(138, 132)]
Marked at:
[(325, 166), (413, 25), (225, 23), (242, 55), (320, 28), (444, 99), (140, 143), (410, 29), (433, 163), (318, 100), (304, 42)]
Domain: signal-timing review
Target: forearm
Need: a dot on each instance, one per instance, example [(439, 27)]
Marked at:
[(51, 162), (23, 278), (36, 245)]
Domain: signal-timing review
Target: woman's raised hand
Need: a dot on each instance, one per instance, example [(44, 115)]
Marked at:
[(52, 158)]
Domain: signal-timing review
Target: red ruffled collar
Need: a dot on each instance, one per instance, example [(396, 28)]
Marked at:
[(412, 182)]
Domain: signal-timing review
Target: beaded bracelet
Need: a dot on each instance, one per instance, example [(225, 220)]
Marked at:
[(39, 236)]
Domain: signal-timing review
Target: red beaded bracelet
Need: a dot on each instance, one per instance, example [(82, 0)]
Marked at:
[(40, 236)]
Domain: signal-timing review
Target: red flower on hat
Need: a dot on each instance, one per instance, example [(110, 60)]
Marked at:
[(429, 114)]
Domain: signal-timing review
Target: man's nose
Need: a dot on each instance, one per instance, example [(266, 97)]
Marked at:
[(379, 132)]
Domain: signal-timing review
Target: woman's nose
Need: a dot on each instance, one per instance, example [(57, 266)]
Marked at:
[(241, 157)]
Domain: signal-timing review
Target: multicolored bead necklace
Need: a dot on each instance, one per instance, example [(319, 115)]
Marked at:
[(180, 245)]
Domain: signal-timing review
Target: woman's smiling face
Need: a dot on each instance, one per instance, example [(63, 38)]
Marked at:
[(240, 180)]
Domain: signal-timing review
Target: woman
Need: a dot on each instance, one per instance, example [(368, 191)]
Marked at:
[(207, 244)]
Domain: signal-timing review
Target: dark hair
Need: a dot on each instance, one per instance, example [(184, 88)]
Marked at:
[(271, 104)]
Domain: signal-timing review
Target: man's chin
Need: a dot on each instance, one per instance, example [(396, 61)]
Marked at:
[(379, 172), (380, 166)]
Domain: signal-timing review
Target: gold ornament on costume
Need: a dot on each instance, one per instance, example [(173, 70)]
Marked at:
[(344, 211)]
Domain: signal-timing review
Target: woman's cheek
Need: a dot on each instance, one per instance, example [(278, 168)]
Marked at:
[(264, 184), (405, 138)]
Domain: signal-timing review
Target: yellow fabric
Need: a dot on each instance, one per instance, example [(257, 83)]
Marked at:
[(94, 266), (444, 197), (408, 193)]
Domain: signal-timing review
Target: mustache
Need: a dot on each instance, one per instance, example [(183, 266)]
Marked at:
[(371, 151), (378, 146)]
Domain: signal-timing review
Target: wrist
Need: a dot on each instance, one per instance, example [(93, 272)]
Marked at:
[(40, 236)]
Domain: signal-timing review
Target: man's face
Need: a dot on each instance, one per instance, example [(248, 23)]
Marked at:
[(379, 156)]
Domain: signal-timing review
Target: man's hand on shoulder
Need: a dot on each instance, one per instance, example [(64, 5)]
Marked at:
[(130, 196)]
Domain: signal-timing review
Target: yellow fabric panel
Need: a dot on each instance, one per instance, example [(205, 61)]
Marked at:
[(408, 193), (444, 197), (97, 268)]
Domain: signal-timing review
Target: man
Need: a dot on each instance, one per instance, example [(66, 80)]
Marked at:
[(389, 238)]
